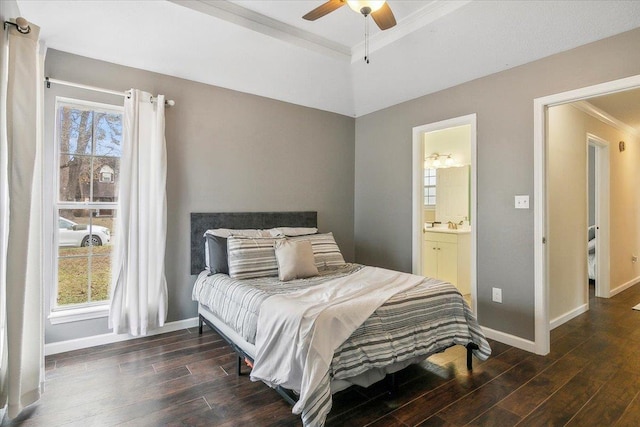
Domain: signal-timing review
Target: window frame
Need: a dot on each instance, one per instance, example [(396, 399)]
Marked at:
[(81, 311), (425, 187)]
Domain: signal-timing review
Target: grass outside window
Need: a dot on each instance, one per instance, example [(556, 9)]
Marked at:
[(76, 263)]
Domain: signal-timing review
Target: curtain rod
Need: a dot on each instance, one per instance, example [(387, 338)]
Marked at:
[(168, 102)]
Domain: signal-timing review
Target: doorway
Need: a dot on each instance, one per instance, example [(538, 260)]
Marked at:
[(541, 225), (598, 251), (442, 165)]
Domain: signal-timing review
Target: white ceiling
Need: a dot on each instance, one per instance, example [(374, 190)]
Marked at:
[(266, 48)]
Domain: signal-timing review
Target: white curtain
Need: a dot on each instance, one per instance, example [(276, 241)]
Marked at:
[(21, 308), (139, 286)]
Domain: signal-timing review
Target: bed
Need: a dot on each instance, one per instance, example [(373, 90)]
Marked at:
[(373, 334)]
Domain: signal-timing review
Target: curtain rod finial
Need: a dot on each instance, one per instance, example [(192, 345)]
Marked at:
[(21, 24)]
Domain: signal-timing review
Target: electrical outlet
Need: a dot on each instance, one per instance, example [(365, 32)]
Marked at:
[(496, 295), (634, 258)]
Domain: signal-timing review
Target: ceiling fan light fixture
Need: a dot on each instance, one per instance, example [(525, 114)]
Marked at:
[(369, 6)]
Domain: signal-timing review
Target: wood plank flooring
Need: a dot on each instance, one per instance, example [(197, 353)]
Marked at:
[(591, 377)]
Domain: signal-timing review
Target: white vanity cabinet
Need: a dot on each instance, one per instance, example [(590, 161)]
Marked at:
[(447, 256)]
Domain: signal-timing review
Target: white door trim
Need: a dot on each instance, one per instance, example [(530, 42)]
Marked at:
[(418, 165), (540, 105), (602, 214)]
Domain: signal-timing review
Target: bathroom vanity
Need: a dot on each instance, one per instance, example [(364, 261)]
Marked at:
[(447, 256)]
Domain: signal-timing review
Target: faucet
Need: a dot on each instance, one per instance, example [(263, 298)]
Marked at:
[(453, 225)]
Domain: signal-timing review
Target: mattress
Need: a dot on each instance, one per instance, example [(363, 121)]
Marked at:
[(237, 301), (422, 311)]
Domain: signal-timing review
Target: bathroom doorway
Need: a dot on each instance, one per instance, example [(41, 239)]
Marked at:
[(444, 203)]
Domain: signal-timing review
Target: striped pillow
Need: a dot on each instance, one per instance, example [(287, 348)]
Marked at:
[(252, 257), (325, 249)]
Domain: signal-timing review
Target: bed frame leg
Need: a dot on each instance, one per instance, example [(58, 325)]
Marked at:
[(470, 347), (200, 324), (392, 384)]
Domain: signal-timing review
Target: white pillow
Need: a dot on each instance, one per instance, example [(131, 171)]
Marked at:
[(295, 259), (228, 232), (292, 231)]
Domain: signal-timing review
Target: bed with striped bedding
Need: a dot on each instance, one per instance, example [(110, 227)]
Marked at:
[(407, 328)]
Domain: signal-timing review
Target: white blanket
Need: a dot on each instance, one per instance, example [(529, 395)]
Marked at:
[(298, 333)]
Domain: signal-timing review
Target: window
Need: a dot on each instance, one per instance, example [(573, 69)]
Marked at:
[(430, 188), (89, 146)]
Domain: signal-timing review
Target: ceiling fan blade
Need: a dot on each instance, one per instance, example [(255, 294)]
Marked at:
[(384, 17), (324, 9)]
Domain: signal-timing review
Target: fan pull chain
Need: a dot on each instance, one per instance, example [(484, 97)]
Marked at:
[(366, 39)]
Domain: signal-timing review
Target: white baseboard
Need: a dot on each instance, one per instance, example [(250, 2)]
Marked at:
[(509, 339), (554, 323), (624, 286), (79, 343)]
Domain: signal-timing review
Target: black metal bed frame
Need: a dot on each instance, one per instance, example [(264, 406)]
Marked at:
[(288, 395)]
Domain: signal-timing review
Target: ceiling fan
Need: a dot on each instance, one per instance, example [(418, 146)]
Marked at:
[(379, 11)]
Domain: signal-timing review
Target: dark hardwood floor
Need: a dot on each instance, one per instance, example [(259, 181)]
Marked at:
[(591, 377)]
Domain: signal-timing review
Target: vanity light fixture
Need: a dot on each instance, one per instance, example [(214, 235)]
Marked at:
[(436, 161), (448, 161)]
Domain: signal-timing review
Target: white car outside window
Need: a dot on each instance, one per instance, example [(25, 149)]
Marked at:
[(73, 234)]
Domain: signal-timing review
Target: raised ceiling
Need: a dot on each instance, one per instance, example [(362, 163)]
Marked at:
[(266, 48)]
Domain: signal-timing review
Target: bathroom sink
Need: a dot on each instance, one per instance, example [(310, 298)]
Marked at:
[(444, 228)]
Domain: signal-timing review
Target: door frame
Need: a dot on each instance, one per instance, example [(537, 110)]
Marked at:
[(540, 106), (418, 200), (602, 189)]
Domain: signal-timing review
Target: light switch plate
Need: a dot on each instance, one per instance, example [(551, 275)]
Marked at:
[(522, 202)]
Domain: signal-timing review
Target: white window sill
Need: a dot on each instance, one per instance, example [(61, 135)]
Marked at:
[(78, 314)]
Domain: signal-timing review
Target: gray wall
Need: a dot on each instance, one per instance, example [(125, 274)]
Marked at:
[(228, 151), (503, 103)]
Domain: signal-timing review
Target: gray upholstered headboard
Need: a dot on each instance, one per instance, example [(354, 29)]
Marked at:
[(201, 222)]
